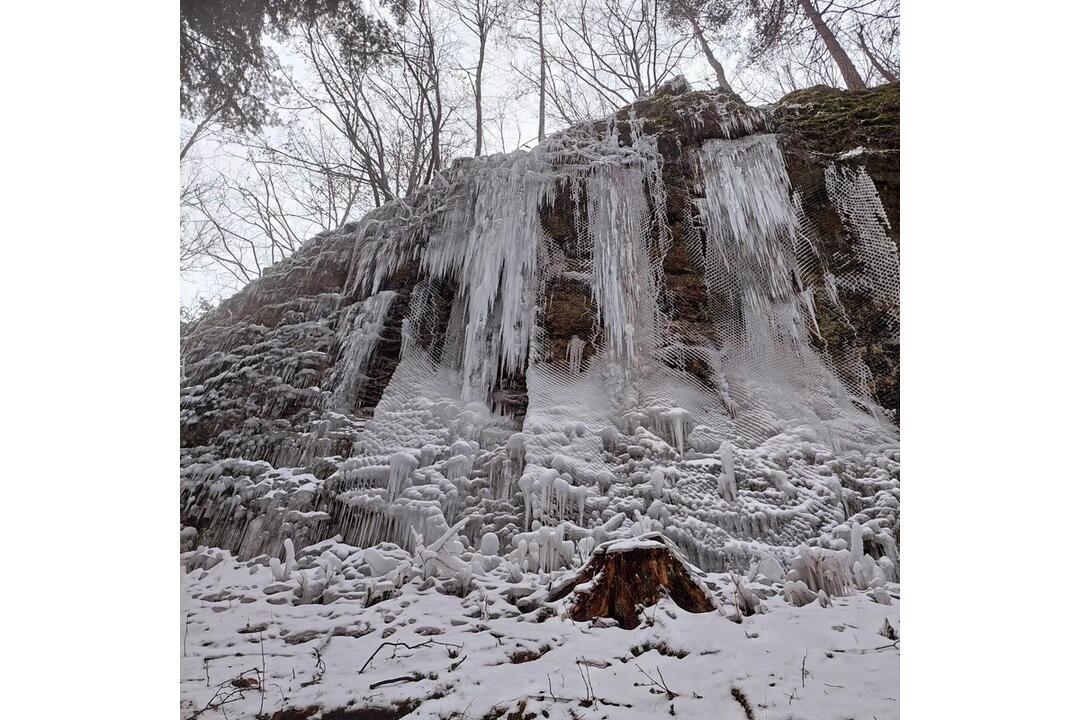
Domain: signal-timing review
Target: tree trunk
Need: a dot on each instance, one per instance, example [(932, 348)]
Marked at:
[(436, 88), (889, 77), (543, 70), (198, 131), (721, 78), (479, 97), (847, 68)]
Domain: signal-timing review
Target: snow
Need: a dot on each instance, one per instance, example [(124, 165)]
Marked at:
[(628, 545), (809, 661)]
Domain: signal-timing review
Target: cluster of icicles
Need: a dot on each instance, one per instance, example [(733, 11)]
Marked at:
[(482, 228)]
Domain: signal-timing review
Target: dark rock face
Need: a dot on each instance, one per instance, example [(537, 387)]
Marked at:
[(282, 381), (824, 122), (623, 577)]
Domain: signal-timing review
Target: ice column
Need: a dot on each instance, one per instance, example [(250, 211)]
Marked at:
[(494, 262), (359, 338), (750, 254), (624, 287)]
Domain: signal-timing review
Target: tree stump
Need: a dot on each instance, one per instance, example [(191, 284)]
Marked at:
[(623, 576)]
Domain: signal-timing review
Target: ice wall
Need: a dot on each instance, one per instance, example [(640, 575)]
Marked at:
[(543, 381)]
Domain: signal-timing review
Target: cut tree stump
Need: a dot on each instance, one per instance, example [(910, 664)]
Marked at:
[(622, 576)]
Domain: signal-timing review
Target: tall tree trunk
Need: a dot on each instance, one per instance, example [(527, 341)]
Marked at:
[(889, 77), (847, 68), (435, 88), (721, 78), (479, 97), (543, 69), (436, 132), (199, 131)]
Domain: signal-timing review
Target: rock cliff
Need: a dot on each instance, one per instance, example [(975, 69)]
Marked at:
[(439, 462), (683, 318)]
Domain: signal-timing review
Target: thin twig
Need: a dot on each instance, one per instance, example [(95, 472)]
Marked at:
[(396, 645), (262, 677), (658, 683), (412, 677)]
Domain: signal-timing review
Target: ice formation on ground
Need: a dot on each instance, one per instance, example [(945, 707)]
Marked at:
[(417, 424)]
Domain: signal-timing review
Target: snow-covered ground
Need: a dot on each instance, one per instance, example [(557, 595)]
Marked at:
[(250, 648)]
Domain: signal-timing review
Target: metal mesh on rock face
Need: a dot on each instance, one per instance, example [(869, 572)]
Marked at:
[(855, 198)]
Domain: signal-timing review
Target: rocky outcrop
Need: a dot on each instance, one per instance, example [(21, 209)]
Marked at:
[(860, 132), (682, 318), (818, 127)]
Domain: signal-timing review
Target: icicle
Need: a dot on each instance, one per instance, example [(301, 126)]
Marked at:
[(749, 211), (680, 423), (495, 258), (623, 284), (752, 230), (402, 465), (359, 338), (574, 352), (856, 543)]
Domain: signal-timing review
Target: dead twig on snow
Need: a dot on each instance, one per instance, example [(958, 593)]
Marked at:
[(397, 645), (586, 677), (740, 697), (411, 677), (661, 684)]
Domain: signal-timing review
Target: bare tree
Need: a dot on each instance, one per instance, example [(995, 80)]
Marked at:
[(806, 33), (873, 26), (390, 108), (360, 123), (543, 66), (614, 51), (194, 237), (479, 17), (241, 217), (231, 245), (245, 222), (701, 16), (847, 68), (504, 118), (202, 128), (538, 12), (527, 20), (878, 62), (426, 68), (322, 184)]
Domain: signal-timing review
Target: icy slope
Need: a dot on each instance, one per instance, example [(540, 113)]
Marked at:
[(682, 319)]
